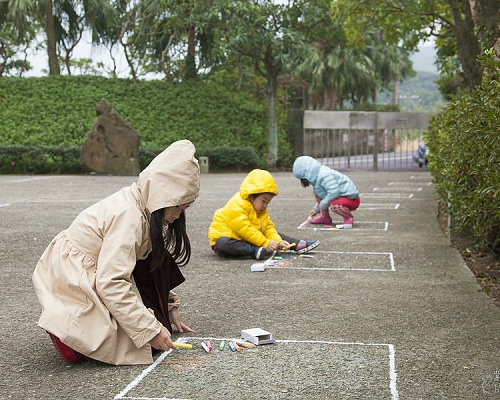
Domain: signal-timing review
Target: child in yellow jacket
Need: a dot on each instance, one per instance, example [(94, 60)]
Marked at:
[(243, 228)]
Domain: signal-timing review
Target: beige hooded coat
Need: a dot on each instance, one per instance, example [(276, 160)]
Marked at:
[(84, 278)]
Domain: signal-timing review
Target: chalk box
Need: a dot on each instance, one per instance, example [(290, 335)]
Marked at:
[(257, 336), (258, 267)]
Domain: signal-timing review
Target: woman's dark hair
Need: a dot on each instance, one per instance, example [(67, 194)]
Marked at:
[(172, 238), (304, 182)]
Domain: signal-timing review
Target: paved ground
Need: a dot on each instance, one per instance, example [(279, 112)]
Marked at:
[(387, 310)]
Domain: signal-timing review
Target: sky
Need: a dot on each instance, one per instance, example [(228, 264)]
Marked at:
[(423, 61)]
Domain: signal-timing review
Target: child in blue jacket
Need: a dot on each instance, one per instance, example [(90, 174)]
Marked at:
[(333, 191)]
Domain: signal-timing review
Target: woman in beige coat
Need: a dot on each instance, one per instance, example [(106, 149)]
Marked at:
[(105, 282)]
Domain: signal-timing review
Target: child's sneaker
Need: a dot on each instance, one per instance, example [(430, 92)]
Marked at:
[(262, 253), (348, 223), (306, 246), (321, 219), (65, 351)]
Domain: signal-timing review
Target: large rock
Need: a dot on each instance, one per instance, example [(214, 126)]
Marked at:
[(112, 145)]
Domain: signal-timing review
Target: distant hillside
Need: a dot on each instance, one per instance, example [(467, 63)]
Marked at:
[(424, 59), (419, 93)]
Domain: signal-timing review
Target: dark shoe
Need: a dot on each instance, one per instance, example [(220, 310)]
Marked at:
[(261, 253), (304, 246), (66, 352)]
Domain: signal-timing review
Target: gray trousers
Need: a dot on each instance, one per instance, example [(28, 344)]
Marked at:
[(228, 247)]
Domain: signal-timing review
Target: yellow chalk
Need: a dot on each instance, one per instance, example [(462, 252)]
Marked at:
[(183, 345), (290, 246), (247, 345)]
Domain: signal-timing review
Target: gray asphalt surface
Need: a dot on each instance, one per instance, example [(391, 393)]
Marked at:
[(387, 310)]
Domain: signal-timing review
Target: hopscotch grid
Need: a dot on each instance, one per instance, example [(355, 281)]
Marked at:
[(391, 261), (385, 228), (403, 189), (143, 374)]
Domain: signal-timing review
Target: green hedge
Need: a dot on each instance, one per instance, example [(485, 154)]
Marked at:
[(66, 160), (464, 144), (59, 111)]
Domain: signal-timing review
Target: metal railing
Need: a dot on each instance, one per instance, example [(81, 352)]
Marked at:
[(364, 140)]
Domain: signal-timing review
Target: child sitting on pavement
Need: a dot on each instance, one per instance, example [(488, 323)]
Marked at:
[(243, 226), (332, 190)]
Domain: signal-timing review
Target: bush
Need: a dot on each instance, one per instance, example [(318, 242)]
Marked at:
[(231, 158), (40, 160), (59, 111), (464, 144), (66, 160)]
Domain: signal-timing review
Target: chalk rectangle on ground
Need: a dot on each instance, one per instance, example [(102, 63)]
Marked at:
[(289, 369), (338, 261)]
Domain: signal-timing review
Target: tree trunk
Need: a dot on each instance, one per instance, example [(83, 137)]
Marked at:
[(190, 72), (272, 151), (51, 39), (395, 92), (331, 97), (467, 43), (485, 15)]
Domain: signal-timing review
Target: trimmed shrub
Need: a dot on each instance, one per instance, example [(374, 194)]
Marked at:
[(59, 111), (464, 144)]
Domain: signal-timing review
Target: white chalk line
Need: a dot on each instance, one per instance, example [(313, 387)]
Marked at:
[(323, 229), (143, 374), (379, 195), (396, 183), (4, 205), (392, 365), (403, 189), (377, 206), (390, 255)]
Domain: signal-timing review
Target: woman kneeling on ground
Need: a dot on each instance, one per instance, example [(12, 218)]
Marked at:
[(105, 282)]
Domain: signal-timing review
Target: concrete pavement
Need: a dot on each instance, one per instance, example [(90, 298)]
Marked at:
[(387, 310)]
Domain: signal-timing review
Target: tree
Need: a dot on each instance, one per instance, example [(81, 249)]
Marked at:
[(472, 25), (97, 13), (339, 69), (13, 43), (263, 32)]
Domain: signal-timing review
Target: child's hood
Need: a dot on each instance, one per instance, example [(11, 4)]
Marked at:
[(172, 178), (306, 167), (258, 181)]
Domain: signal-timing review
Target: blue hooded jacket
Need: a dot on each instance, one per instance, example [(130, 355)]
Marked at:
[(328, 184)]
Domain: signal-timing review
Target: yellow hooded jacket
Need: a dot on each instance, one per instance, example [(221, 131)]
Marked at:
[(239, 220)]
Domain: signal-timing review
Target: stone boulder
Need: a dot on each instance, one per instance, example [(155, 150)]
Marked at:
[(112, 145)]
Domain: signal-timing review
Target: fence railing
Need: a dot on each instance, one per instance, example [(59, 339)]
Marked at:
[(364, 140)]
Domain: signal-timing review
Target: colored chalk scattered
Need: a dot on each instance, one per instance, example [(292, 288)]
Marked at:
[(278, 258), (209, 345), (183, 345), (221, 346), (236, 346), (205, 347), (231, 346)]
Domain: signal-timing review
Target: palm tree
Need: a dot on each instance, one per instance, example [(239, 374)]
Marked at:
[(97, 14)]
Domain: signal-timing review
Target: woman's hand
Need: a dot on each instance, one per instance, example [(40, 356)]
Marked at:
[(312, 213), (162, 341), (175, 319)]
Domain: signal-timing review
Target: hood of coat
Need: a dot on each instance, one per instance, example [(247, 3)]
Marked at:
[(258, 181), (172, 178), (306, 167)]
